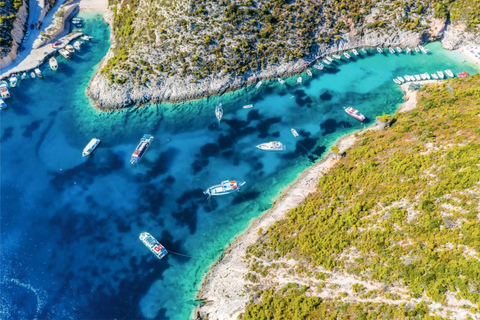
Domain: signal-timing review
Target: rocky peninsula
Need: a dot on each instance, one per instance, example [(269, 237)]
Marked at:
[(202, 48)]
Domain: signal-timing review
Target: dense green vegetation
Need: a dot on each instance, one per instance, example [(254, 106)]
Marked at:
[(292, 303), (401, 208), (8, 11), (201, 38)]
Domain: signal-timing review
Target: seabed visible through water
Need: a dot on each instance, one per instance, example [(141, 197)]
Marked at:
[(70, 225)]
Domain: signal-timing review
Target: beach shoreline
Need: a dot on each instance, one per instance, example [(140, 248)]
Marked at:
[(228, 301)]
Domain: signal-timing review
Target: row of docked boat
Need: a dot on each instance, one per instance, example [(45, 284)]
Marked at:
[(439, 75)]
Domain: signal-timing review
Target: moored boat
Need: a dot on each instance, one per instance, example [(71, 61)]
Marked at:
[(24, 76), (141, 148), (153, 245), (423, 76), (326, 61), (408, 50), (354, 113), (391, 50), (396, 81), (329, 59), (38, 73), (417, 77), (364, 51), (399, 50), (379, 50), (76, 45), (440, 74), (355, 52), (417, 50), (294, 132), (434, 76), (4, 93), (309, 72), (449, 73), (32, 74), (219, 111), (336, 56), (319, 66), (86, 38), (53, 63), (272, 146), (281, 81), (69, 48), (225, 187), (248, 106), (3, 105), (13, 81), (299, 80), (401, 79), (427, 76), (346, 55), (258, 85), (90, 147)]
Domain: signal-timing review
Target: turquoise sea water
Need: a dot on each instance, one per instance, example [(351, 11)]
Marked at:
[(70, 225)]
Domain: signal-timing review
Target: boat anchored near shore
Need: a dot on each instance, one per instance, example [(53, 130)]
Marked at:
[(141, 148), (225, 187), (153, 245), (219, 111), (53, 63), (91, 146), (272, 146), (354, 113)]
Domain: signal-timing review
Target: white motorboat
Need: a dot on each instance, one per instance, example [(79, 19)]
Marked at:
[(329, 59), (401, 79), (53, 63), (76, 45), (248, 106), (346, 55), (449, 73), (86, 38), (219, 111), (440, 74), (299, 80), (225, 187), (417, 77), (379, 50), (319, 66), (391, 50), (326, 61), (281, 81), (355, 52), (434, 76), (399, 50), (336, 56), (309, 72), (258, 84), (427, 76), (354, 113), (90, 147), (294, 132), (396, 81), (272, 146), (417, 50), (364, 51), (423, 76), (13, 81), (408, 50)]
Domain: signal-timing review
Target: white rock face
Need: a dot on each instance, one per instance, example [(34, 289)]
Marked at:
[(112, 96), (17, 35)]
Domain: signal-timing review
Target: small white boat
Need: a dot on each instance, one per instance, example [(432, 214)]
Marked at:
[(354, 113), (423, 49), (427, 76), (422, 75), (24, 76), (281, 81), (401, 79), (417, 77), (329, 59), (3, 105), (346, 55), (272, 146), (449, 73), (336, 56), (355, 52), (299, 80), (364, 51), (434, 76), (69, 48), (258, 85), (225, 187), (408, 50), (219, 111), (86, 38), (32, 74), (294, 132), (391, 50), (4, 93), (379, 50), (319, 66), (53, 63), (13, 81), (326, 61), (38, 73), (417, 50), (76, 45), (396, 81), (440, 74), (153, 245), (64, 53), (90, 147), (248, 106), (399, 50), (309, 72)]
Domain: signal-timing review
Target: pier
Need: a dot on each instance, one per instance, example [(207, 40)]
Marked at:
[(40, 55)]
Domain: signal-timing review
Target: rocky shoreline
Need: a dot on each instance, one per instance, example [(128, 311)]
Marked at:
[(107, 96)]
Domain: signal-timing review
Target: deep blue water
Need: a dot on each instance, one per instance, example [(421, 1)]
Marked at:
[(70, 225)]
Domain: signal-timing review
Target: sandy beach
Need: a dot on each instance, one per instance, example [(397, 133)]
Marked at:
[(93, 5)]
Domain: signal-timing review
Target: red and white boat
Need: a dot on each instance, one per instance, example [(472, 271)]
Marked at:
[(354, 113)]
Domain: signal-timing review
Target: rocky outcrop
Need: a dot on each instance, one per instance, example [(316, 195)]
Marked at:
[(455, 36), (17, 35), (107, 95)]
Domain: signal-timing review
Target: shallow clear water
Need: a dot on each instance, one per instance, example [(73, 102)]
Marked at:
[(70, 225)]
